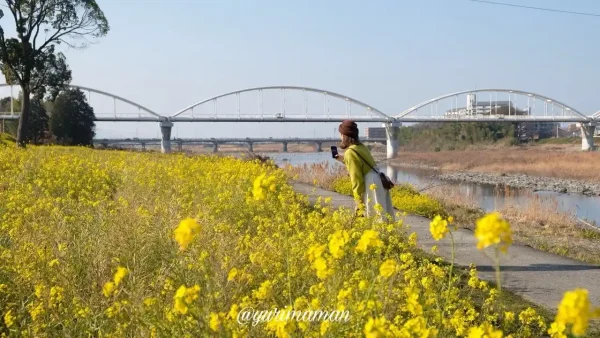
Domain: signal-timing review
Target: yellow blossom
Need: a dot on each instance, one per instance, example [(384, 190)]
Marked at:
[(438, 228), (493, 230), (375, 328), (336, 243), (185, 296), (9, 319), (215, 322), (265, 290), (324, 327), (388, 268), (186, 232), (119, 275), (574, 309), (368, 238), (232, 273), (108, 288)]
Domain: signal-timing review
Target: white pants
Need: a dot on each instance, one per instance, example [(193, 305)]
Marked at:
[(379, 196)]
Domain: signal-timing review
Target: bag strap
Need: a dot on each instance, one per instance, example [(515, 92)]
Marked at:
[(356, 152)]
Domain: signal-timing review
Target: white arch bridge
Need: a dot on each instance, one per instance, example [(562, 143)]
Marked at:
[(305, 104)]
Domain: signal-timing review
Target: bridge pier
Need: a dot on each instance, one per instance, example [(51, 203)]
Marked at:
[(215, 147), (251, 147), (180, 146), (143, 146), (285, 148), (165, 128), (587, 137), (392, 172), (319, 147), (392, 131)]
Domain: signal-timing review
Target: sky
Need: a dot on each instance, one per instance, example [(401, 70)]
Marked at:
[(169, 54)]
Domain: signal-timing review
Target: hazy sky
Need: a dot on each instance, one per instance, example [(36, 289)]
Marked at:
[(168, 54)]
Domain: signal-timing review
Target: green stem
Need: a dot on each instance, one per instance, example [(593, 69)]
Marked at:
[(451, 263), (498, 270), (287, 258), (449, 278)]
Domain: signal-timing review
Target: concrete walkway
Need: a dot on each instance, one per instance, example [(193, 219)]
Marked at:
[(537, 276)]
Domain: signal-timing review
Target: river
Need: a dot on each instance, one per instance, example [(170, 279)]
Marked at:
[(488, 197)]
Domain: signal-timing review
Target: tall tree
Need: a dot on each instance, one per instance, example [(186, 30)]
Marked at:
[(37, 127), (72, 118), (30, 60)]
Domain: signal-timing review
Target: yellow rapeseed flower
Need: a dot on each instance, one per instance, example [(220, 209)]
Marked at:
[(185, 232), (320, 265), (215, 322), (368, 238), (575, 309), (232, 273), (337, 241), (375, 328), (108, 288), (265, 290), (438, 227), (9, 319), (388, 268), (324, 327), (185, 296), (493, 230), (119, 275)]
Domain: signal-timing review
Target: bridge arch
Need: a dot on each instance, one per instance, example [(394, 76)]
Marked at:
[(293, 88), (113, 96), (565, 108)]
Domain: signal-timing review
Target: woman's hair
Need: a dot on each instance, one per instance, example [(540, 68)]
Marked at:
[(348, 141)]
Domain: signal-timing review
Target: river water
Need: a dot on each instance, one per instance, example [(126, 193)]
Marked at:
[(488, 197)]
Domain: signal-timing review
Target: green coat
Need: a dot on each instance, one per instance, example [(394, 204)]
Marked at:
[(358, 168)]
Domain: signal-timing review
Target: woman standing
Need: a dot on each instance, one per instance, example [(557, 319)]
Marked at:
[(360, 164)]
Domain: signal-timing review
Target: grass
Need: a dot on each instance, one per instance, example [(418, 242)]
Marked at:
[(563, 140), (6, 139)]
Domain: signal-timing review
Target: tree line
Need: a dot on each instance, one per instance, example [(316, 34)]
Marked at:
[(68, 120), (456, 135), (32, 61)]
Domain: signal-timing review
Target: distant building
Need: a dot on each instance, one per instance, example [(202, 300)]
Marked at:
[(481, 108), (524, 130), (375, 133)]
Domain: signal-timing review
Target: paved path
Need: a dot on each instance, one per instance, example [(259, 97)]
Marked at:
[(537, 276)]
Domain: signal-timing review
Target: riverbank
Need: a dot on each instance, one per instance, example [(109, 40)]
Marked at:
[(548, 168), (534, 183), (535, 223), (527, 272)]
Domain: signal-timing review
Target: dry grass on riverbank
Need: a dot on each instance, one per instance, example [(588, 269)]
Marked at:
[(536, 161), (537, 224)]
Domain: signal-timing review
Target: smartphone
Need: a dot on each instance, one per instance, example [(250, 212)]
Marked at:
[(334, 152)]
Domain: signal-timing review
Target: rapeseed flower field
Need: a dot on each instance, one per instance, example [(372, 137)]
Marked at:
[(121, 244)]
